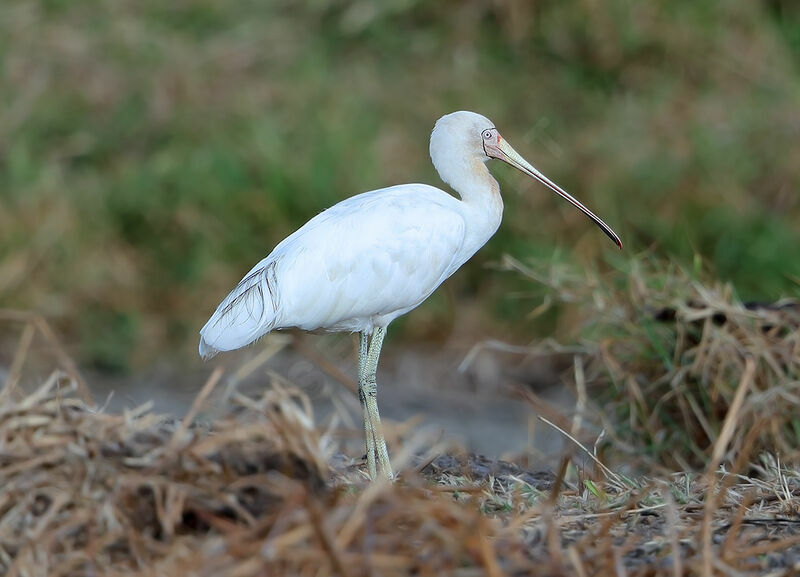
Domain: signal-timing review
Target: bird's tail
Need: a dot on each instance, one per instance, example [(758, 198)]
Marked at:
[(246, 314), (207, 351)]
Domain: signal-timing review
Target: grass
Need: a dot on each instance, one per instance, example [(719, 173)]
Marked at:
[(151, 154), (252, 493), (665, 352), (695, 471)]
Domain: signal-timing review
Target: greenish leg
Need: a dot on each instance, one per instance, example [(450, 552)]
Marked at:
[(371, 389), (369, 434)]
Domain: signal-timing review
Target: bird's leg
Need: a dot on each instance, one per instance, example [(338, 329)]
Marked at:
[(369, 433), (371, 389)]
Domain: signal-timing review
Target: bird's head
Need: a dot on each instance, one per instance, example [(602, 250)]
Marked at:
[(462, 138), (458, 138)]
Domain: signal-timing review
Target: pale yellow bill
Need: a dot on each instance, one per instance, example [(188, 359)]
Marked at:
[(514, 159)]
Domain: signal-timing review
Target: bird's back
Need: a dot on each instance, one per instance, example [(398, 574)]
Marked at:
[(357, 265)]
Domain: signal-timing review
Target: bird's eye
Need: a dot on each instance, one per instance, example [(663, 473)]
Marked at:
[(487, 134)]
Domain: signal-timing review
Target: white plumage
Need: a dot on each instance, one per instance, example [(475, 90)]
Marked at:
[(373, 257), (359, 264)]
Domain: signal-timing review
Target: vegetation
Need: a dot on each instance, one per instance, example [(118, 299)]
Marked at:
[(666, 358), (151, 152), (253, 494), (683, 462)]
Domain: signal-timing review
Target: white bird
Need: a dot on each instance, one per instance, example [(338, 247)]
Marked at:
[(367, 260)]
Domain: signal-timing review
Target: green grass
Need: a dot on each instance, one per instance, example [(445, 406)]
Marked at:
[(151, 153)]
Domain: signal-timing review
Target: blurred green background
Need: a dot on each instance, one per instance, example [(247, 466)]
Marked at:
[(151, 152)]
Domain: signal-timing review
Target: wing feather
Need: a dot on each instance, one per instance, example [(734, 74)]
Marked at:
[(375, 255), (245, 314)]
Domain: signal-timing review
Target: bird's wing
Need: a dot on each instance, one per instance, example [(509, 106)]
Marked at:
[(371, 255), (247, 313)]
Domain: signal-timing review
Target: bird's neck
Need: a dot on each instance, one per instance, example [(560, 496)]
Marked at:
[(480, 196), (478, 189)]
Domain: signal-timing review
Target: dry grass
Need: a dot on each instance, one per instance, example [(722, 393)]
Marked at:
[(666, 355), (88, 493), (692, 380)]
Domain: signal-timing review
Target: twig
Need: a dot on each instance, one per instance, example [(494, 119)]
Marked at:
[(323, 534), (622, 513), (608, 472), (196, 405), (18, 360), (328, 367), (716, 458), (48, 334)]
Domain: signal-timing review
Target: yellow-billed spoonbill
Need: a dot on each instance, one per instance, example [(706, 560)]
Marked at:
[(362, 263)]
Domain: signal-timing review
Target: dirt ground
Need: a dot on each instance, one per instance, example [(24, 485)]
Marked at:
[(470, 405)]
